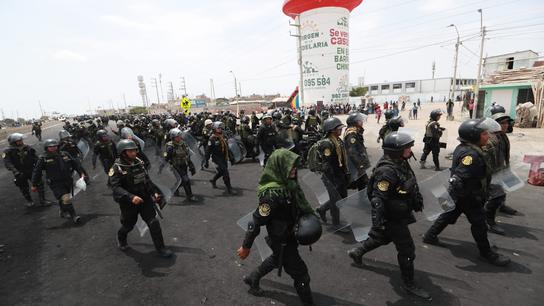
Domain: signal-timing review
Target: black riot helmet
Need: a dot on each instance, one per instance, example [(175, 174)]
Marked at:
[(500, 117), (13, 138), (395, 123), (435, 114), (325, 114), (331, 124), (126, 144), (397, 142), (173, 133), (495, 109), (127, 133), (276, 115), (101, 133), (63, 134), (355, 118), (245, 119), (388, 114), (471, 129), (155, 122), (312, 112), (171, 123), (308, 229), (50, 143), (218, 125)]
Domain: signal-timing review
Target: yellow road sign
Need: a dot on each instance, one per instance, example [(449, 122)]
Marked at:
[(185, 104)]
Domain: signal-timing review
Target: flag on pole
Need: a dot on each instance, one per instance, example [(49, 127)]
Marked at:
[(294, 99)]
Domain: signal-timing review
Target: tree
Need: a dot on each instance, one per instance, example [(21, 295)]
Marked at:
[(358, 91), (138, 110)]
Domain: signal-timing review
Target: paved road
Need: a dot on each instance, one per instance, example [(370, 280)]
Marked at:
[(45, 260)]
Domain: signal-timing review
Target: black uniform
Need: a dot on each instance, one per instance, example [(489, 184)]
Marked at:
[(394, 195), (280, 214), (267, 139), (335, 175), (254, 121), (157, 134), (106, 152), (58, 168), (471, 174), (21, 161), (312, 124), (206, 133), (357, 155), (218, 150), (177, 154), (37, 130), (68, 146), (128, 179), (433, 132), (246, 135)]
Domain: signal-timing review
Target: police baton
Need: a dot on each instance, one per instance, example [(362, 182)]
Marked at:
[(280, 260)]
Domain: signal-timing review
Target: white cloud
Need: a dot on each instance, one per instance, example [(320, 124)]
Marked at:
[(69, 55), (430, 6)]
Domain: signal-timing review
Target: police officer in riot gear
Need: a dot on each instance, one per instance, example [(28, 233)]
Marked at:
[(499, 150), (246, 135), (218, 150), (254, 121), (335, 172), (37, 129), (267, 136), (58, 167), (207, 131), (177, 154), (136, 195), (312, 122), (469, 183), (127, 133), (20, 160), (356, 150), (385, 129), (394, 196), (282, 205), (67, 145), (157, 134), (433, 132), (105, 150)]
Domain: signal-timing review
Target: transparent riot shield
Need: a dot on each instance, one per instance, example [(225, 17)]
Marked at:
[(195, 153), (357, 211), (235, 150), (261, 156), (314, 184), (83, 146), (167, 180), (262, 246), (443, 142), (436, 199), (140, 141), (509, 180), (243, 150), (354, 171)]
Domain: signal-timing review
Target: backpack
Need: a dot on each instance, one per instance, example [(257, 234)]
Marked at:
[(314, 159)]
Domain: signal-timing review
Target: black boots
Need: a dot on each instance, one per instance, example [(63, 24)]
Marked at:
[(496, 259), (156, 235), (407, 271), (356, 254), (507, 210), (29, 202), (431, 236)]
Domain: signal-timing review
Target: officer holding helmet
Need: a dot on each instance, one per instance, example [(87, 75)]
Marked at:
[(289, 221), (218, 150), (177, 154), (394, 196), (136, 195), (58, 167), (20, 159), (469, 185)]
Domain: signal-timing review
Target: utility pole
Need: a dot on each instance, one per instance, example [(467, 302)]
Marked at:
[(236, 94), (160, 83), (125, 100), (3, 117), (212, 91), (434, 68), (477, 89), (454, 80), (301, 71), (183, 86), (157, 89), (240, 88), (41, 109)]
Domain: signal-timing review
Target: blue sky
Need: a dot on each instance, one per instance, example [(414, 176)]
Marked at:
[(72, 54)]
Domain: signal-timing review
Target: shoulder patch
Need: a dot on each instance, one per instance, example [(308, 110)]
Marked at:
[(327, 152), (353, 140), (467, 160), (111, 172), (264, 209), (3, 155), (383, 185)]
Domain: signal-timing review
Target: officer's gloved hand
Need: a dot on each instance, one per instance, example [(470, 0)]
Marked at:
[(242, 252), (418, 205), (193, 171)]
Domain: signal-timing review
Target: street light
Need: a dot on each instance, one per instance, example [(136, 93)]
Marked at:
[(236, 94), (454, 81), (477, 89)]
